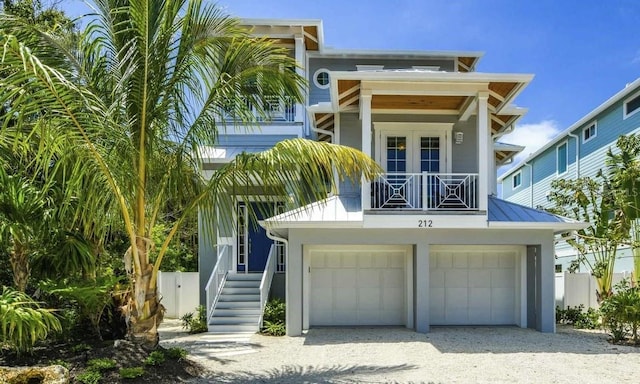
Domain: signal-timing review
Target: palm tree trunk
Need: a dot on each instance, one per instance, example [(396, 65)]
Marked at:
[(146, 312), (20, 266)]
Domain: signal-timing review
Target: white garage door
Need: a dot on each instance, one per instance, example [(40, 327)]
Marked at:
[(359, 286), (473, 287)]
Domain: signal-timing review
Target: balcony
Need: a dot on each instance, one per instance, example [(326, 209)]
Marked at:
[(425, 192), (278, 110)]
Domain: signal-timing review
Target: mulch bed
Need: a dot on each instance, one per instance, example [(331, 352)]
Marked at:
[(125, 354)]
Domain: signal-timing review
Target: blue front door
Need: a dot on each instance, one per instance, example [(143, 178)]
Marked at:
[(253, 243)]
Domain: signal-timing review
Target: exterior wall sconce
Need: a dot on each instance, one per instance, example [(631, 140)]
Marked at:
[(459, 136)]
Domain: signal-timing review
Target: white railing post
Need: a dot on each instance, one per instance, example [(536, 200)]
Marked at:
[(218, 276), (267, 277)]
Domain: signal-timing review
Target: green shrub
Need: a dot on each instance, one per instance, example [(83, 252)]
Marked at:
[(274, 329), (23, 322), (621, 312), (578, 317), (176, 353), (60, 362), (275, 311), (155, 358), (274, 318), (131, 373), (196, 323), (89, 377), (101, 364)]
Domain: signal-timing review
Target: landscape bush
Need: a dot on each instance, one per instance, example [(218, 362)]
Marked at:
[(195, 322), (621, 313), (274, 318), (23, 322), (578, 317)]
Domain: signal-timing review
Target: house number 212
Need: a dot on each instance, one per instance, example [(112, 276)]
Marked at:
[(425, 223)]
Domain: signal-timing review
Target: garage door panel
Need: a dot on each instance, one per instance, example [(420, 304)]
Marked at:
[(461, 261), (478, 287), (476, 261), (343, 278), (480, 298), (491, 260), (357, 287), (502, 278), (393, 278), (502, 297), (390, 299), (456, 278), (436, 278), (456, 298), (346, 299), (479, 278)]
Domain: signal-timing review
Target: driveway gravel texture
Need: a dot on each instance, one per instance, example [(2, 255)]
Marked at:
[(399, 355)]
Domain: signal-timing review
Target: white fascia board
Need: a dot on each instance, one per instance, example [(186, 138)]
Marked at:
[(513, 110), (557, 227), (282, 22), (270, 225), (497, 146), (399, 75), (585, 119), (365, 53)]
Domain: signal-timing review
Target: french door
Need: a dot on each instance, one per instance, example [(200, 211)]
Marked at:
[(405, 156)]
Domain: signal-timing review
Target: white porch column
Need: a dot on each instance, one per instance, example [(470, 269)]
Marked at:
[(299, 52), (485, 148), (365, 116)]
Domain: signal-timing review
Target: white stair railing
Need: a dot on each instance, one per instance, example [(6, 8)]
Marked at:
[(218, 277), (267, 277)]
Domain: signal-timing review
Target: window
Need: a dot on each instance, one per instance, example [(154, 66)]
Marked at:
[(558, 268), (517, 180), (561, 157), (589, 132), (632, 105), (321, 78)]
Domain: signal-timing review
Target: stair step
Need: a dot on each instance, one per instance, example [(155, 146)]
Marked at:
[(234, 320), (244, 276), (240, 291), (238, 305), (239, 297), (228, 328), (237, 312), (242, 284)]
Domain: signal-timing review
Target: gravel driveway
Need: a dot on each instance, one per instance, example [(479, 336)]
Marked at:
[(398, 355)]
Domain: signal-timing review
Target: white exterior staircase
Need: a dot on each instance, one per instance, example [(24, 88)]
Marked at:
[(238, 308)]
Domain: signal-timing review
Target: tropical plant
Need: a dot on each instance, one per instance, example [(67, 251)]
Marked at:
[(143, 93), (590, 200), (274, 318), (23, 322), (91, 297), (621, 312), (195, 322), (624, 171)]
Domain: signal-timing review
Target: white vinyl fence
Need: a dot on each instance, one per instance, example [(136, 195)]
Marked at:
[(180, 292), (573, 289)]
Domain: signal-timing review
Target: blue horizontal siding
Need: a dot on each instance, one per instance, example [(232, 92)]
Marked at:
[(257, 140)]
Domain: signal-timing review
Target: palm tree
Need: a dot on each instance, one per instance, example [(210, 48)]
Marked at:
[(146, 88), (624, 171)]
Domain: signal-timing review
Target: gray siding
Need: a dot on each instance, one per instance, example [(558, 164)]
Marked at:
[(317, 95)]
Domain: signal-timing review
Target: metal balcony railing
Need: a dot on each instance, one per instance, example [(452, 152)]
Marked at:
[(278, 110), (425, 191)]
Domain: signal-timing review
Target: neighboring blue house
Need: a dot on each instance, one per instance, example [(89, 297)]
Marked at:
[(579, 151), (425, 243)]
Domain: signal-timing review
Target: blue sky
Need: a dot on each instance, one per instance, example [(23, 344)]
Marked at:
[(581, 52)]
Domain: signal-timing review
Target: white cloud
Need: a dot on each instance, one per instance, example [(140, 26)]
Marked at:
[(532, 137)]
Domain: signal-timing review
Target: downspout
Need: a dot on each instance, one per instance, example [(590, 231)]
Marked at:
[(577, 153), (526, 164)]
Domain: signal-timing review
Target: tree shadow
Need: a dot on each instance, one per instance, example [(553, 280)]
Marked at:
[(475, 339), (309, 374)]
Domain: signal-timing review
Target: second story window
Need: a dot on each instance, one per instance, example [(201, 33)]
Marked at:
[(589, 132), (632, 105), (517, 180), (321, 78), (561, 158)]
